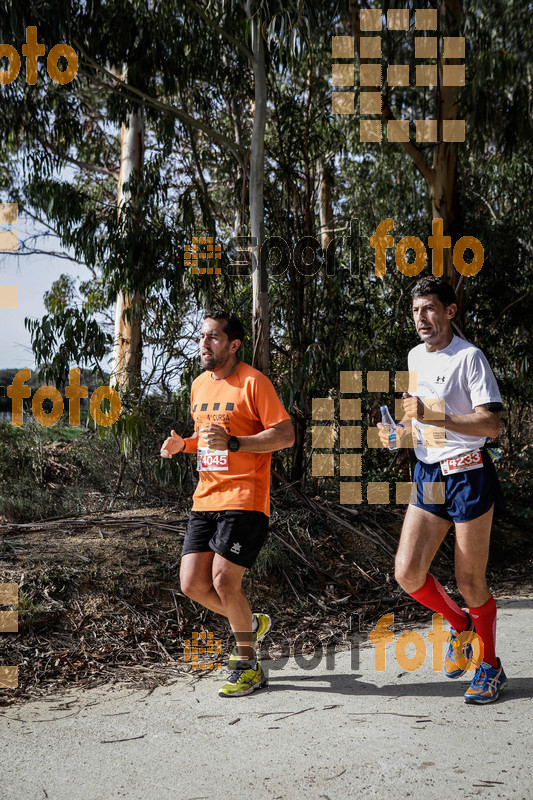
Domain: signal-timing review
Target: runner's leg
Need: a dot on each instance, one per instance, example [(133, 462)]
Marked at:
[(422, 535), (472, 541), (196, 579), (198, 573), (227, 582)]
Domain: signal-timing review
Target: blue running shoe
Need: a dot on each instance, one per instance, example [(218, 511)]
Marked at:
[(487, 684), (460, 650)]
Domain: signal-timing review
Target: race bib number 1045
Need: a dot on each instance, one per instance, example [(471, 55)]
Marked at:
[(211, 460)]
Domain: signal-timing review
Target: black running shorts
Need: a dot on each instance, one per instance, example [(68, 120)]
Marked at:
[(238, 536)]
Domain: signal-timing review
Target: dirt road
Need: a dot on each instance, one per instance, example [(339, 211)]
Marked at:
[(340, 733)]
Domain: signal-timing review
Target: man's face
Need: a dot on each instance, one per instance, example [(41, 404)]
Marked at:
[(433, 320), (215, 347)]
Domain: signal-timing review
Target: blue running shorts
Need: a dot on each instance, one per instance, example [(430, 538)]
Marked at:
[(460, 497)]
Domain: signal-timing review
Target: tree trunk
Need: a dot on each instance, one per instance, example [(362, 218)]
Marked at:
[(260, 324), (302, 295), (234, 112), (127, 349), (443, 186), (327, 229), (441, 177), (205, 203)]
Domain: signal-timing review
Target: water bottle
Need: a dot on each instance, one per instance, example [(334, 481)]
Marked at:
[(386, 419)]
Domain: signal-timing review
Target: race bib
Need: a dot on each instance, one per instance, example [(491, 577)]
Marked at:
[(463, 463), (211, 460)]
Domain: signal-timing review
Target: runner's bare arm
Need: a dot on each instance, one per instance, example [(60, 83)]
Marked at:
[(278, 437), (481, 422)]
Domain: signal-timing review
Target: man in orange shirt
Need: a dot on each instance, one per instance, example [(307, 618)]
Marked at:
[(238, 422)]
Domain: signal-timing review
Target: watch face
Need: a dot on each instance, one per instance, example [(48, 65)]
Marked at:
[(233, 444)]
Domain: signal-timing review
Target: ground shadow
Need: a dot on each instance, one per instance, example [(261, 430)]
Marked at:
[(350, 684)]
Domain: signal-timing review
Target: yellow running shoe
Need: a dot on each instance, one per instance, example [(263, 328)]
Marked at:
[(243, 680), (264, 623)]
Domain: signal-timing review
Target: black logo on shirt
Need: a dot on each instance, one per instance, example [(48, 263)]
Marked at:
[(216, 406), (440, 379)]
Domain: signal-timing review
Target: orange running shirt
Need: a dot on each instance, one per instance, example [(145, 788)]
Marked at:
[(243, 404)]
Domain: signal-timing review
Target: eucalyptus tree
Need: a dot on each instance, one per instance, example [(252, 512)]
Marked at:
[(495, 100), (165, 52), (73, 125)]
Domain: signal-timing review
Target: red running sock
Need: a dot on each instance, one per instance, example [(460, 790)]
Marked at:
[(432, 595), (484, 618)]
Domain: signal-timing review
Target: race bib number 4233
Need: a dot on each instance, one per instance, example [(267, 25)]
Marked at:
[(462, 463), (211, 460)]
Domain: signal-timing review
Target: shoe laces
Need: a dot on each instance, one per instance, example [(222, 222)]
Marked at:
[(237, 672), (461, 640), (455, 641), (480, 676)]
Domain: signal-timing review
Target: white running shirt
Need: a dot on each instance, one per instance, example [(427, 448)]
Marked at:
[(460, 375)]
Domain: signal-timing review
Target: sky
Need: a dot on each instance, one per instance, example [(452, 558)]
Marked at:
[(33, 274)]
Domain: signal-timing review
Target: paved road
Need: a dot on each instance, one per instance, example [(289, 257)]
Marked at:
[(340, 734)]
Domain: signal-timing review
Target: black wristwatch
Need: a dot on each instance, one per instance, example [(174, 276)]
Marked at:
[(233, 444)]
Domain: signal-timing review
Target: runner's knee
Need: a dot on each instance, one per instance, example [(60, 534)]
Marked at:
[(408, 576), (193, 587), (226, 584), (401, 569), (470, 583)]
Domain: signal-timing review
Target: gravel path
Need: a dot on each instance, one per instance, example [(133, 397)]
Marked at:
[(343, 732)]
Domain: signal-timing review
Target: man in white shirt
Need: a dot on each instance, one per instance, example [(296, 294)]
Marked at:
[(455, 482)]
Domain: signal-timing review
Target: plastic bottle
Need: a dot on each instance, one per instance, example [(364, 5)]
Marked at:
[(386, 419)]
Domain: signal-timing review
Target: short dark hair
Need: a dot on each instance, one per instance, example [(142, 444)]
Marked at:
[(437, 286), (232, 326)]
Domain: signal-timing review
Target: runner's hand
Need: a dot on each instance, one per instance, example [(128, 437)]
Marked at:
[(413, 407), (383, 433), (215, 437), (174, 444)]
